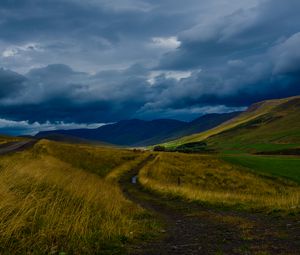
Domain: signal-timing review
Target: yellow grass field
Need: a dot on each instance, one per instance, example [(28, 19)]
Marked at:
[(206, 178), (6, 139), (55, 199)]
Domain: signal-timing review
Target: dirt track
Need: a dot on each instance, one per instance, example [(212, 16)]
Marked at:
[(15, 146), (195, 229)]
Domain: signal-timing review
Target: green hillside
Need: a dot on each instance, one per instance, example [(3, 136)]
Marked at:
[(272, 125)]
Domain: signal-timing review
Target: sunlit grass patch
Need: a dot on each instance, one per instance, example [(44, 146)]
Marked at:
[(99, 160), (7, 139), (206, 178)]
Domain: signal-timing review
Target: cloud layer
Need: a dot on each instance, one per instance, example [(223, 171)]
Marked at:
[(101, 61), (11, 127)]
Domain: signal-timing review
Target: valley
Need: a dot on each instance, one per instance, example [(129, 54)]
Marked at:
[(149, 127), (232, 189)]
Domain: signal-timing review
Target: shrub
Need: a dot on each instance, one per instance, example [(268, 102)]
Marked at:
[(159, 148)]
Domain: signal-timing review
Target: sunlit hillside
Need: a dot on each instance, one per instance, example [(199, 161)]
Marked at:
[(268, 125)]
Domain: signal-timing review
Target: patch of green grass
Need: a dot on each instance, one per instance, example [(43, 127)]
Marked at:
[(287, 167), (237, 148), (271, 146)]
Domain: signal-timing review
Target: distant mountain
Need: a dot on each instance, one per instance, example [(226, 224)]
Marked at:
[(204, 122), (200, 124), (70, 139), (127, 132), (267, 126), (137, 132)]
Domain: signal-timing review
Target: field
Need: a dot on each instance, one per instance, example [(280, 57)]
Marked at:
[(63, 199), (282, 166), (7, 139), (59, 198), (209, 179)]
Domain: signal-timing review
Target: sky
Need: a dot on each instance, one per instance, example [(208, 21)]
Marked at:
[(82, 63)]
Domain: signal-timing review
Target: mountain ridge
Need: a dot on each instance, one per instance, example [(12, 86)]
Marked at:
[(136, 132)]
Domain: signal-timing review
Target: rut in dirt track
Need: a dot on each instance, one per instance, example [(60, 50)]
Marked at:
[(194, 229)]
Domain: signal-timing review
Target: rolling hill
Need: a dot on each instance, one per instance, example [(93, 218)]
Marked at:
[(271, 125), (137, 132)]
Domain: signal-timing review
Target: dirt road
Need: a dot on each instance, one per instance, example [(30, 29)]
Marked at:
[(197, 229), (15, 146)]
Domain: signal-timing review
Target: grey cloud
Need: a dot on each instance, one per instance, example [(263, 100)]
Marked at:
[(286, 56), (92, 35), (10, 83), (57, 92), (237, 82), (26, 128), (85, 34), (244, 32)]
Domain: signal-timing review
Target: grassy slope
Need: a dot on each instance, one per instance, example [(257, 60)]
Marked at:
[(57, 197), (279, 129), (271, 125), (207, 178)]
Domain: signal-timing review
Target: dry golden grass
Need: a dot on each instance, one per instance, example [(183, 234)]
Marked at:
[(99, 160), (49, 205), (208, 179), (114, 175), (6, 139)]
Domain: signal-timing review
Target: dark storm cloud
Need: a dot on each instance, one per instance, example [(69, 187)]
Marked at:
[(56, 92), (144, 58), (242, 33), (86, 35), (249, 55), (10, 83), (240, 82)]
